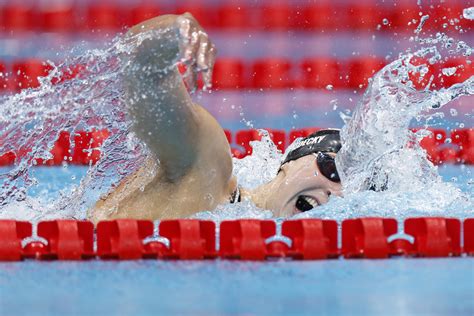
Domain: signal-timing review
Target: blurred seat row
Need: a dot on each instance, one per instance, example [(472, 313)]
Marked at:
[(268, 73), (82, 147), (275, 15), (245, 239)]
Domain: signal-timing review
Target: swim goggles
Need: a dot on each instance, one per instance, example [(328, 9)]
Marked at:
[(327, 166)]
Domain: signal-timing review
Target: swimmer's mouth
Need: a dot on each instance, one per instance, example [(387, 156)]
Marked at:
[(305, 203)]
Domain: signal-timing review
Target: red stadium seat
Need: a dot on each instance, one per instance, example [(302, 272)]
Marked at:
[(68, 239), (321, 72), (272, 73), (122, 238), (18, 17), (27, 72), (245, 239), (60, 19), (276, 16), (143, 12), (321, 15), (311, 238), (228, 74), (435, 236), (189, 239), (360, 70), (11, 234), (104, 17), (367, 237), (233, 17)]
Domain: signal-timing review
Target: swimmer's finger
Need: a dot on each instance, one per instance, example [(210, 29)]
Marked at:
[(201, 55), (190, 78), (210, 61), (189, 40)]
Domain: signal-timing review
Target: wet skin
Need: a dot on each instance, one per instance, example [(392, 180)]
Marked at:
[(195, 164), (296, 179)]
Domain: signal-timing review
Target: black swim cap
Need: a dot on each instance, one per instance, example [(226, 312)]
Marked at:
[(326, 140)]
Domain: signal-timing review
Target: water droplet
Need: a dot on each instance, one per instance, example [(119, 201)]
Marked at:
[(453, 112), (329, 87), (385, 21), (449, 71), (468, 13)]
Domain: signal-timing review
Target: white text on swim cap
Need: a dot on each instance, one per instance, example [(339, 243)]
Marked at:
[(310, 141)]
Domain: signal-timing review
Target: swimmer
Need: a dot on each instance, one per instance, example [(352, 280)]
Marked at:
[(194, 172)]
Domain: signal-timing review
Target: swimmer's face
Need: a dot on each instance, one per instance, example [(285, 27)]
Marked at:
[(301, 185)]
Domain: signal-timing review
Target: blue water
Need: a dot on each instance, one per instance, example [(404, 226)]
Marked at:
[(335, 287), (53, 179)]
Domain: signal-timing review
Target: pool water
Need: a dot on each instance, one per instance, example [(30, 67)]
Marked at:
[(144, 287), (335, 287)]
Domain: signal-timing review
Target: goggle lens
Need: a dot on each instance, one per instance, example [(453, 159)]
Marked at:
[(327, 166)]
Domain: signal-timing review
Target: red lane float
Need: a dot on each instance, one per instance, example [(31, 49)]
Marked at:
[(324, 16), (123, 238), (228, 74), (68, 239), (435, 236), (250, 239), (464, 139), (57, 19), (104, 17), (319, 73), (189, 239), (271, 73), (11, 234), (311, 238), (245, 239), (85, 148), (468, 235), (367, 237), (27, 72)]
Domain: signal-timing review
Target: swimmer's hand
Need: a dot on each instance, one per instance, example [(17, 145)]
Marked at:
[(197, 52)]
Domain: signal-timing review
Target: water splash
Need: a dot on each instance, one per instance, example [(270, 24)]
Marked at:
[(31, 121), (391, 159)]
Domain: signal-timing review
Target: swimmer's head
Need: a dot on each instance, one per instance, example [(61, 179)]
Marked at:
[(307, 175)]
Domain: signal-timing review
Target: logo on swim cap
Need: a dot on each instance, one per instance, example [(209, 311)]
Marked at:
[(327, 140), (309, 141)]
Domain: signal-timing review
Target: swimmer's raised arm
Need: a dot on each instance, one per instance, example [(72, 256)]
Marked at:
[(164, 116)]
